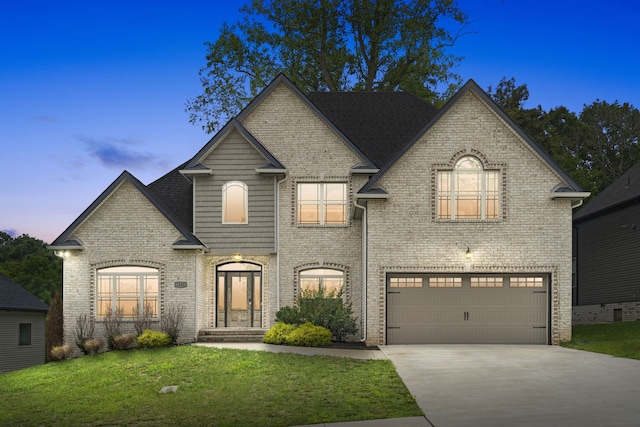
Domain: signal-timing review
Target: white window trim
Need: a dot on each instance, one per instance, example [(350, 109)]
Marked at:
[(245, 201), (322, 204), (453, 174), (142, 295)]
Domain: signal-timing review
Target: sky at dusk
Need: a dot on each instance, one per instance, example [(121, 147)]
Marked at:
[(89, 89)]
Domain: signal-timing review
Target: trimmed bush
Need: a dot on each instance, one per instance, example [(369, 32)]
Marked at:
[(62, 352), (153, 339), (290, 315), (92, 346), (309, 335), (278, 333), (124, 342)]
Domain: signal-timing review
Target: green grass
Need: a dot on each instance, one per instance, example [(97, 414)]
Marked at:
[(621, 339), (217, 387)]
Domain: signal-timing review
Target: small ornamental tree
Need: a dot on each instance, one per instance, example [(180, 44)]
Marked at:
[(54, 325)]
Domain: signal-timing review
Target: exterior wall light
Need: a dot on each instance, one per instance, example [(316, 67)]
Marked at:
[(467, 254), (237, 257)]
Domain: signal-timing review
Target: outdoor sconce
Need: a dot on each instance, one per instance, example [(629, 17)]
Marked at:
[(61, 254), (467, 254), (237, 257)]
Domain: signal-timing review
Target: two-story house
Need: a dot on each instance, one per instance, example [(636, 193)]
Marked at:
[(441, 225)]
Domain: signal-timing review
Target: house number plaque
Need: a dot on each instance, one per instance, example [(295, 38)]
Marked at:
[(180, 284)]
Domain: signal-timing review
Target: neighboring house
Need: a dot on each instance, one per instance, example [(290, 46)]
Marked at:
[(606, 250), (22, 323), (442, 225)]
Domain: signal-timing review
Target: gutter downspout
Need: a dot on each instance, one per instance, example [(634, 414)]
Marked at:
[(195, 317), (276, 194), (365, 279)]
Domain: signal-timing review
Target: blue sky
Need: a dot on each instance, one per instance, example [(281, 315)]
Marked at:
[(88, 89)]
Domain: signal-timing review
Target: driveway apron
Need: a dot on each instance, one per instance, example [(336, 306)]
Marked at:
[(519, 385)]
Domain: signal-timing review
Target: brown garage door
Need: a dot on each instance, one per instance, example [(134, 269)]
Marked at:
[(467, 308)]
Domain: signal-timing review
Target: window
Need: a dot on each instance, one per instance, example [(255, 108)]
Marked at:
[(25, 334), (486, 282), (235, 202), (468, 191), (445, 282), (328, 280), (322, 203), (405, 282), (525, 282), (131, 289)]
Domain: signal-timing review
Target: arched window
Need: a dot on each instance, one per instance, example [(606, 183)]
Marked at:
[(235, 203), (325, 279), (468, 191), (132, 290)]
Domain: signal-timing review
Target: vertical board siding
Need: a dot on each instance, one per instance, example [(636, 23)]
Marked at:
[(607, 250), (234, 159), (14, 356)]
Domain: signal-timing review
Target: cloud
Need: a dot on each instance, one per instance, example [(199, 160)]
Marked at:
[(45, 118), (11, 232), (119, 153)]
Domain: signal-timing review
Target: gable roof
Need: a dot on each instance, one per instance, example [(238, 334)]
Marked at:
[(623, 190), (233, 124), (188, 238), (15, 297), (281, 79), (378, 123), (472, 86)]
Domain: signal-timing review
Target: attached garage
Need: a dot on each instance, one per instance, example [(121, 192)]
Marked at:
[(467, 308)]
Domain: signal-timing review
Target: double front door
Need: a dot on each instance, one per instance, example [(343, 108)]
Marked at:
[(239, 295)]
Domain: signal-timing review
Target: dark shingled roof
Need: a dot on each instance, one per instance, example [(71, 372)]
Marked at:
[(175, 192), (15, 297), (378, 123), (623, 190)]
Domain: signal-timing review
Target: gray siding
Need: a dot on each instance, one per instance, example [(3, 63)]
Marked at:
[(607, 249), (14, 356), (234, 159)]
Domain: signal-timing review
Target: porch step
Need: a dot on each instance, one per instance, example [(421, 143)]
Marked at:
[(231, 335)]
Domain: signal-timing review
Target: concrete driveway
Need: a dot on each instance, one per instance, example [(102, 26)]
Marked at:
[(519, 385)]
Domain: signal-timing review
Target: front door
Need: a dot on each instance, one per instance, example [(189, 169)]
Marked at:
[(239, 295)]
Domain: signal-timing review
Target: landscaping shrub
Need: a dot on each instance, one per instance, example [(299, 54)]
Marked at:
[(124, 342), (290, 315), (309, 335), (113, 323), (62, 352), (321, 308), (153, 339), (278, 333), (92, 346), (172, 322), (84, 330), (142, 321)]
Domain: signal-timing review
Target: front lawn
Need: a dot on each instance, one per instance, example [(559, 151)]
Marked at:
[(217, 387), (621, 339)]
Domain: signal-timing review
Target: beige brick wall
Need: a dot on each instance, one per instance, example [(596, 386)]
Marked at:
[(534, 236), (127, 230), (311, 152)]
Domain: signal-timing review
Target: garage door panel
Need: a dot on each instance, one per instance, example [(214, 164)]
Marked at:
[(465, 314)]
